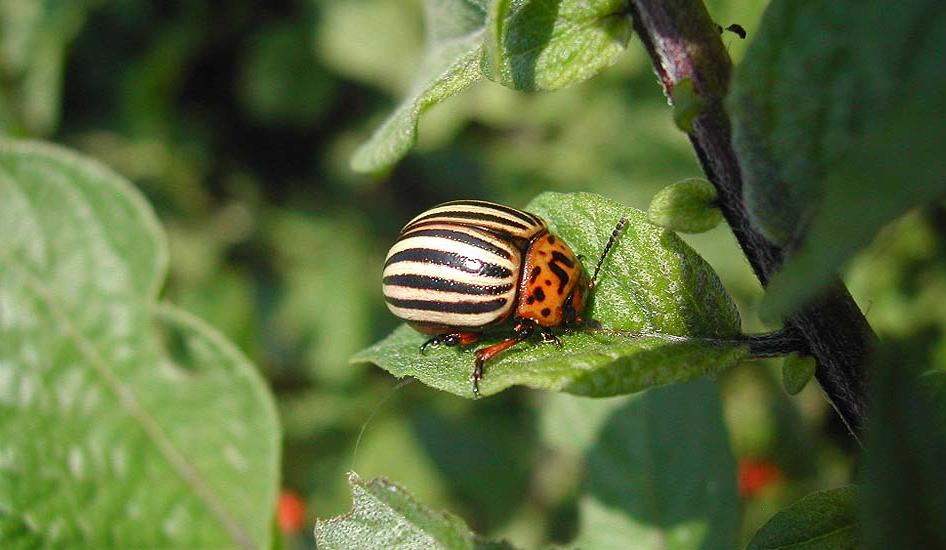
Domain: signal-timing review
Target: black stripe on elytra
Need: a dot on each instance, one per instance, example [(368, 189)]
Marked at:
[(558, 271), (426, 282), (449, 259), (519, 242), (464, 215), (522, 215), (448, 307), (458, 236)]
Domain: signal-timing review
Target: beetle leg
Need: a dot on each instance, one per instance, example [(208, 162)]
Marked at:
[(548, 337), (451, 339), (523, 331)]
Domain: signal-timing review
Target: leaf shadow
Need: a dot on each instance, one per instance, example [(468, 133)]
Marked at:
[(541, 16), (663, 462)]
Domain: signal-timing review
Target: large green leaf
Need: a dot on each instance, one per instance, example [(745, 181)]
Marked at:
[(662, 475), (834, 125), (826, 520), (451, 64), (124, 422), (384, 515), (547, 44), (904, 479), (665, 317)]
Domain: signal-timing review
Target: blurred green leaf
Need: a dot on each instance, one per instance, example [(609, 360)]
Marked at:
[(666, 317), (832, 123), (687, 105), (281, 82), (451, 64), (904, 502), (548, 44), (686, 206), (662, 474), (797, 371), (825, 519), (149, 427), (34, 37), (385, 515)]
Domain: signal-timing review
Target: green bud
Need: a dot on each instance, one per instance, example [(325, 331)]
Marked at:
[(797, 370), (686, 207)]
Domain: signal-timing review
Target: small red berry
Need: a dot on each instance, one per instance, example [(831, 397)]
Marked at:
[(755, 475), (290, 512)]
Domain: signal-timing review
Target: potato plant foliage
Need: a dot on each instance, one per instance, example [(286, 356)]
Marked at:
[(195, 204)]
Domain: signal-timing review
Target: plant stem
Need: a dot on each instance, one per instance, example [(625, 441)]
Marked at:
[(776, 344), (684, 43)]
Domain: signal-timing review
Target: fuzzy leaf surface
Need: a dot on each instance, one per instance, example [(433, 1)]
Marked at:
[(451, 64), (124, 422), (385, 515), (825, 519), (548, 44), (665, 317)]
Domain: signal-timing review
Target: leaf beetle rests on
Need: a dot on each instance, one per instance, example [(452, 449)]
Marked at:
[(464, 267)]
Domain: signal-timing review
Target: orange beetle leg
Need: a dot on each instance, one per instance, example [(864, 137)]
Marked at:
[(451, 339), (523, 331)]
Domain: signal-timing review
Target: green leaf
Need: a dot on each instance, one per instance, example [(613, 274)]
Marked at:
[(662, 474), (826, 520), (385, 515), (34, 37), (451, 64), (280, 82), (797, 371), (687, 105), (687, 207), (665, 316), (832, 122), (124, 422), (904, 502), (548, 44)]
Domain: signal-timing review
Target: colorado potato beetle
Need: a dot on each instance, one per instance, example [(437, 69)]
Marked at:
[(467, 266)]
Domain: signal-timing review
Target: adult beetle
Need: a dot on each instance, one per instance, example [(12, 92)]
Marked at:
[(463, 267)]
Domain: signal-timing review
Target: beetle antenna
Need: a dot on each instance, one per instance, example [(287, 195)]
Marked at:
[(607, 248)]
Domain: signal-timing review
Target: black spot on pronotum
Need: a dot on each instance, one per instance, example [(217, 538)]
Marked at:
[(546, 312), (563, 278), (539, 294), (551, 239), (548, 282), (535, 274), (559, 257)]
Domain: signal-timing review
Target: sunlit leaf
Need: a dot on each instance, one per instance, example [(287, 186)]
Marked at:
[(661, 474), (451, 64), (825, 520), (545, 45), (384, 515), (665, 317), (124, 422)]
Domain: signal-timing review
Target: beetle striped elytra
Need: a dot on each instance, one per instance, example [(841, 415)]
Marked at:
[(464, 267)]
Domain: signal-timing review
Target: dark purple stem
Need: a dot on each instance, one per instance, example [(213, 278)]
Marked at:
[(684, 43)]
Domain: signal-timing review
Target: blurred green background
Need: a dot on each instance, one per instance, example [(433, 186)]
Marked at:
[(237, 120)]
